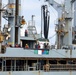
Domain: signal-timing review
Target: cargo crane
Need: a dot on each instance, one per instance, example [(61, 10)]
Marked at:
[(64, 27), (74, 28), (63, 30), (12, 14)]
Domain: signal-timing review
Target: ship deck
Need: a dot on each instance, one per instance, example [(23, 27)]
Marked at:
[(27, 53)]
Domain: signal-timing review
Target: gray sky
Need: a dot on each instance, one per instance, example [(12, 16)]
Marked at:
[(33, 7)]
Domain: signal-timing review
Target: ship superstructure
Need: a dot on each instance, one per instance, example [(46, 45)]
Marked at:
[(32, 54)]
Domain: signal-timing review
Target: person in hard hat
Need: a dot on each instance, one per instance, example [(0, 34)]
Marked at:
[(26, 46)]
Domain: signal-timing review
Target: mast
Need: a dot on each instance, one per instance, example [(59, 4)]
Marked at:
[(0, 13), (1, 35), (11, 21), (17, 24)]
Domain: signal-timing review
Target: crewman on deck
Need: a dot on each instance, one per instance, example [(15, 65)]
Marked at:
[(26, 46)]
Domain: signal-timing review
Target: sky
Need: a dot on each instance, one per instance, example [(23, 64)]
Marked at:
[(33, 7)]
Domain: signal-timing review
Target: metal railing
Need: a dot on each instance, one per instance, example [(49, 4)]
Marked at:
[(51, 67), (62, 67)]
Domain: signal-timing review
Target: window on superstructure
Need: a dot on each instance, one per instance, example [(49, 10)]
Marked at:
[(8, 65), (62, 61), (0, 64), (19, 65), (53, 61)]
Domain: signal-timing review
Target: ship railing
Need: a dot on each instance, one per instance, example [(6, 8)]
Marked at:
[(18, 68), (31, 68), (51, 67), (30, 48), (62, 67)]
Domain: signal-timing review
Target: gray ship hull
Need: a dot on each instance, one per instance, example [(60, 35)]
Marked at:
[(39, 73)]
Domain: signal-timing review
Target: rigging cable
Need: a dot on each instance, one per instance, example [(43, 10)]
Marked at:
[(52, 36)]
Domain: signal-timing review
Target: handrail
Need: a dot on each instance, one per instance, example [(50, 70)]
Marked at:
[(53, 67), (61, 67)]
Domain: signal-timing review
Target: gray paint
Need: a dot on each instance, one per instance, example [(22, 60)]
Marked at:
[(37, 73), (75, 15), (21, 52), (11, 21)]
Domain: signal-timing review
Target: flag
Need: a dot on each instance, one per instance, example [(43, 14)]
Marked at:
[(41, 52)]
